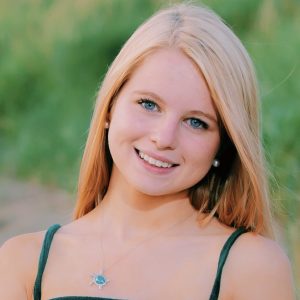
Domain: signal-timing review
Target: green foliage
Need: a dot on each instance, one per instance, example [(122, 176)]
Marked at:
[(274, 47)]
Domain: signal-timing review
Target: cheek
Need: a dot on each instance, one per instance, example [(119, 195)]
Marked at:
[(201, 152), (125, 125)]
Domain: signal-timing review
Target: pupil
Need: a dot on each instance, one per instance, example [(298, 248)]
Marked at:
[(195, 122), (149, 105)]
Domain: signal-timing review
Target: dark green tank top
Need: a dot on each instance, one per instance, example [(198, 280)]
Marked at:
[(47, 244)]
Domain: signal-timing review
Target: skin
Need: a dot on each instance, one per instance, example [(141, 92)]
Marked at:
[(153, 245)]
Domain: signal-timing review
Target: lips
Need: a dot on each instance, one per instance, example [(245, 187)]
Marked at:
[(160, 163)]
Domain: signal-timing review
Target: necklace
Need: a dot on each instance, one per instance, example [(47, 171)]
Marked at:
[(100, 280)]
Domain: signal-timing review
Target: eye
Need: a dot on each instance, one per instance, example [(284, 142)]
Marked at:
[(148, 105), (197, 123)]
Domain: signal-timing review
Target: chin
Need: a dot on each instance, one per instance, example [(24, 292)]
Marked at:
[(157, 192), (151, 192)]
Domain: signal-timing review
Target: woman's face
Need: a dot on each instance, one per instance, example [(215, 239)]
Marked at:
[(163, 133)]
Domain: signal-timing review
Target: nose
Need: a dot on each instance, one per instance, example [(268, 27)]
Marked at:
[(165, 134)]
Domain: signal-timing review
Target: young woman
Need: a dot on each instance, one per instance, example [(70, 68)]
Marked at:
[(173, 198)]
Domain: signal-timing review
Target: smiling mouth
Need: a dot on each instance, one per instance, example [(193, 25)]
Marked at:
[(154, 162)]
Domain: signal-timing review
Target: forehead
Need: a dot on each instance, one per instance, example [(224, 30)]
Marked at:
[(174, 77)]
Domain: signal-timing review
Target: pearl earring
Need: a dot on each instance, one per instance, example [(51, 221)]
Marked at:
[(216, 163), (106, 125)]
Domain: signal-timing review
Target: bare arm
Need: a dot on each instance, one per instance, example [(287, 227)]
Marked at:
[(18, 265)]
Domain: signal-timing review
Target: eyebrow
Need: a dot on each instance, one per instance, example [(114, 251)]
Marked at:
[(196, 112)]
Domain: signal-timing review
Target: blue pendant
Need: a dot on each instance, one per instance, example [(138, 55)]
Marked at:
[(99, 280)]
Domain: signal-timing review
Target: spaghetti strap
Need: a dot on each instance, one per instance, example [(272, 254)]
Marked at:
[(52, 230), (223, 256), (43, 260)]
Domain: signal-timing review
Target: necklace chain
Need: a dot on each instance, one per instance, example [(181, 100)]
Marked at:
[(100, 280)]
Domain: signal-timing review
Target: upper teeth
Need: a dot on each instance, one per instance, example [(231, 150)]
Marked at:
[(155, 162)]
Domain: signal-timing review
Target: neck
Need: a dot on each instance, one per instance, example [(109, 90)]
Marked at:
[(130, 214)]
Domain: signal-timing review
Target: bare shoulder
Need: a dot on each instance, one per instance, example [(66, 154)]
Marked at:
[(259, 269), (23, 248), (18, 265), (257, 248)]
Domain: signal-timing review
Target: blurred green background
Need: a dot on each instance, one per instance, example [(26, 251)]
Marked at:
[(53, 55)]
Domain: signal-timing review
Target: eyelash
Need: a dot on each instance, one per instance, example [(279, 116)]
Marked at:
[(143, 102), (202, 125)]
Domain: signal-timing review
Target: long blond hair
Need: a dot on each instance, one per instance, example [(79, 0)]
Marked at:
[(236, 192)]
